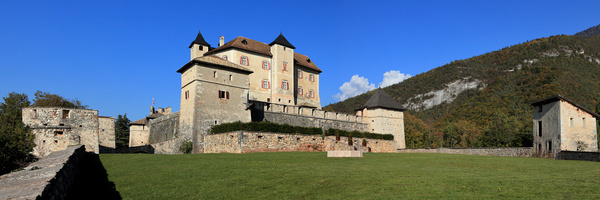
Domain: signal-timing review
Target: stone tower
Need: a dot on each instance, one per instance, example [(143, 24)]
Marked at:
[(384, 115), (213, 91), (198, 47), (282, 71)]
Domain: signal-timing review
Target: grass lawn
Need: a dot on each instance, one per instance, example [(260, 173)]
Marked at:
[(311, 175)]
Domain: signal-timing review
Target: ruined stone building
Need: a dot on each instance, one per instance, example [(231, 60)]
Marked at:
[(246, 80), (56, 129), (560, 124)]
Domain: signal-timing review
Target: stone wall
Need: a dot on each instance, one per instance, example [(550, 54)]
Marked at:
[(48, 178), (164, 128), (249, 141), (167, 147), (106, 134), (579, 155), (310, 117), (508, 151)]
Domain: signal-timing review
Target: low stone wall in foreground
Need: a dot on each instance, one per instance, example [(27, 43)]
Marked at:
[(250, 141), (579, 155), (48, 178), (504, 151)]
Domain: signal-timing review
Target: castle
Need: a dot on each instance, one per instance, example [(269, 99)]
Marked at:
[(246, 80)]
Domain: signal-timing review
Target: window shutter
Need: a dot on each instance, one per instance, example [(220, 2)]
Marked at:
[(219, 93), (269, 65), (241, 59), (227, 95), (282, 85), (269, 84), (247, 61)]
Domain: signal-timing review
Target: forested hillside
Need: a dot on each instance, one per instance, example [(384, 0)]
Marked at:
[(497, 111)]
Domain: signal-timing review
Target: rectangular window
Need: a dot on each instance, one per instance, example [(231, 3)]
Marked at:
[(266, 65), (312, 94), (215, 74), (549, 146), (266, 84), (284, 66), (224, 57), (223, 94), (583, 124), (284, 85), (187, 94), (230, 77), (570, 122), (244, 60), (540, 128), (65, 114), (300, 92), (299, 74), (311, 77)]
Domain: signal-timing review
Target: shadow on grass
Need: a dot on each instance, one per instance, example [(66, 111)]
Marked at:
[(91, 181)]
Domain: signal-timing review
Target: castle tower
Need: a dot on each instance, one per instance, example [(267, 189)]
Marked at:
[(282, 71), (384, 115), (198, 47)]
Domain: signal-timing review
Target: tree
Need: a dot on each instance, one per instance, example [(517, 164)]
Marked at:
[(45, 99), (416, 132), (16, 142), (122, 131)]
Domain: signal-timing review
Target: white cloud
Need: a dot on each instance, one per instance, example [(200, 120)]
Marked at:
[(356, 86), (392, 77)]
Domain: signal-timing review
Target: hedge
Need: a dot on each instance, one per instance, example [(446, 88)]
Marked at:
[(265, 127), (358, 134)]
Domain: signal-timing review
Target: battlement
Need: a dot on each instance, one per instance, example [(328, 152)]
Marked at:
[(310, 112)]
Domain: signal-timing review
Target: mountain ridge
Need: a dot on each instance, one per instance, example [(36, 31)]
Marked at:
[(511, 78)]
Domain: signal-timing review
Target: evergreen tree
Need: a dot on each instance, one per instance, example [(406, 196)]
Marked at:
[(16, 142), (122, 131)]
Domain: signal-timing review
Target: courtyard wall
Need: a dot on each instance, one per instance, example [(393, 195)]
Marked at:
[(252, 141)]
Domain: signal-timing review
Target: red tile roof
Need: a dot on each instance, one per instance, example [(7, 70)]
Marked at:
[(251, 45), (214, 60), (305, 61), (244, 44)]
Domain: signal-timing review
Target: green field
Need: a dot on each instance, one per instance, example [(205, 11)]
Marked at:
[(311, 175)]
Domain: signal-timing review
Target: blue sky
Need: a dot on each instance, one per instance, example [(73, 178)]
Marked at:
[(115, 56)]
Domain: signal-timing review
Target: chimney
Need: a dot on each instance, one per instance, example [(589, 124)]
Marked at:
[(221, 40)]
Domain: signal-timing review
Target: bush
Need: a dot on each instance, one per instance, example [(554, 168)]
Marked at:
[(264, 127), (186, 147), (359, 134)]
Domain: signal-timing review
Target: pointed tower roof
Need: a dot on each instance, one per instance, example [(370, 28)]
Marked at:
[(282, 41), (199, 40), (381, 99)]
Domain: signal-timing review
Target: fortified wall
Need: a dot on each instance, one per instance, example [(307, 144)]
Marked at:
[(308, 117), (252, 141), (492, 151)]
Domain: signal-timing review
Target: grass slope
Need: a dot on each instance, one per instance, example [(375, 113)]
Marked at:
[(311, 175)]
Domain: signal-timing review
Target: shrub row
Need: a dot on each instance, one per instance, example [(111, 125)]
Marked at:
[(265, 127), (358, 134)]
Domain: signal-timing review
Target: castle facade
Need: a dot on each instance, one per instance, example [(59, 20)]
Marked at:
[(246, 80)]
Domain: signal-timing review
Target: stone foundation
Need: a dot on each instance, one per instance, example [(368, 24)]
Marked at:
[(344, 154)]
